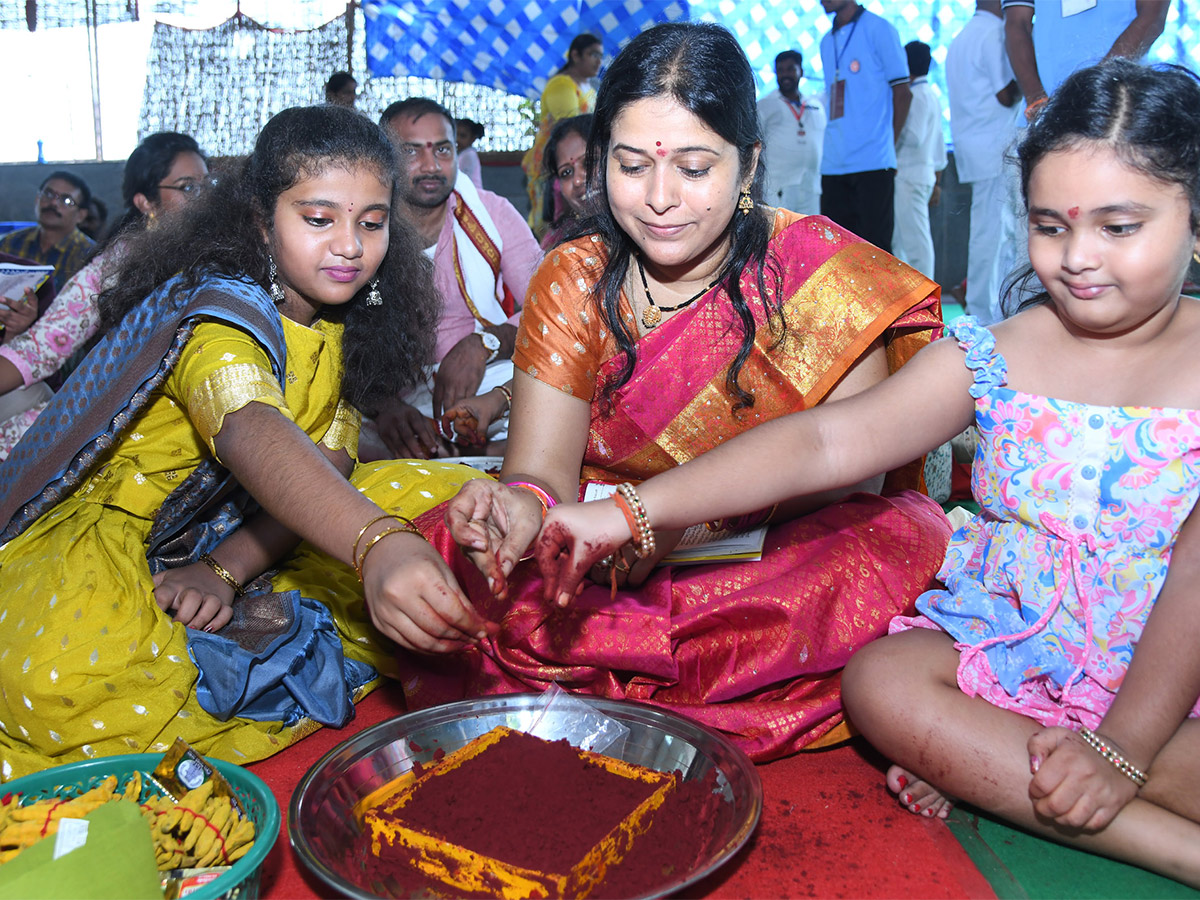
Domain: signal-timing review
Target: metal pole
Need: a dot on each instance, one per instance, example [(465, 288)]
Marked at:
[(93, 32)]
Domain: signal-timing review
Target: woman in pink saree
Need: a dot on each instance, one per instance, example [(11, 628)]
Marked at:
[(684, 314)]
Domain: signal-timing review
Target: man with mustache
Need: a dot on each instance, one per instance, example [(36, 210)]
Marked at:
[(483, 255), (62, 203)]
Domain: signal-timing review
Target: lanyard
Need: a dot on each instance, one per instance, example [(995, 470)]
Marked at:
[(791, 106), (837, 55)]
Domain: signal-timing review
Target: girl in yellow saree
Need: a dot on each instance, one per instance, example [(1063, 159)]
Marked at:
[(211, 431)]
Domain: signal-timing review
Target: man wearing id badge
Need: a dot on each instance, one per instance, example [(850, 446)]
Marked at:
[(1047, 40), (866, 77), (793, 129)]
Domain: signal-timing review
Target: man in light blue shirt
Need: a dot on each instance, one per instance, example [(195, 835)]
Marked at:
[(867, 101)]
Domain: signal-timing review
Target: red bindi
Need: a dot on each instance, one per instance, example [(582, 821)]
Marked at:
[(1073, 212)]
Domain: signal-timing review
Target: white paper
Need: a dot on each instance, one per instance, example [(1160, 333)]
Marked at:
[(71, 835), (14, 278)]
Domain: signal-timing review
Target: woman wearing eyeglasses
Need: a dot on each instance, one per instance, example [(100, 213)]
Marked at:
[(162, 174)]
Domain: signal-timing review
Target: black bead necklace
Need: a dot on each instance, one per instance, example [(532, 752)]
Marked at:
[(652, 314)]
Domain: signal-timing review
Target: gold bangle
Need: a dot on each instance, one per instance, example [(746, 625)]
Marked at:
[(1106, 750), (404, 529), (507, 392), (224, 574), (354, 549)]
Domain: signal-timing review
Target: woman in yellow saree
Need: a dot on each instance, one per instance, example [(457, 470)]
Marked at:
[(684, 315), (569, 93), (183, 463)]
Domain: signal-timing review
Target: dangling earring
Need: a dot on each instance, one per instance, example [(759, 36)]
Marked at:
[(374, 298), (274, 288), (745, 203)]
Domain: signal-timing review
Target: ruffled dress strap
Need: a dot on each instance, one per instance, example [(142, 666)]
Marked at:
[(989, 367)]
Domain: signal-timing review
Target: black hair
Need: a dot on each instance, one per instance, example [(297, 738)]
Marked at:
[(580, 125), (145, 169), (384, 347), (477, 130), (702, 67), (792, 55), (919, 58), (99, 209), (85, 193), (414, 108), (337, 81), (1148, 115), (578, 44)]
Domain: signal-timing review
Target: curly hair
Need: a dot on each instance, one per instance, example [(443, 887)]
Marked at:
[(701, 67), (384, 348)]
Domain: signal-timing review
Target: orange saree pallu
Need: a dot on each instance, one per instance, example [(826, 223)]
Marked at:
[(752, 649)]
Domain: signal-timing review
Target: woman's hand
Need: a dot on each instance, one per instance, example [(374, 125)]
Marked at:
[(466, 422), (413, 598), (573, 539), (195, 596), (1073, 784), (494, 525), (17, 315)]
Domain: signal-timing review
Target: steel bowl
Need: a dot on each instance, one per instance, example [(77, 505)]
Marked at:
[(323, 828)]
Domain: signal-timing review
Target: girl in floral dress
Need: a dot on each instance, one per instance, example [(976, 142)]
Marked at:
[(1053, 681)]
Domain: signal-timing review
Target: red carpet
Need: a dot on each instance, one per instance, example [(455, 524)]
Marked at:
[(829, 829)]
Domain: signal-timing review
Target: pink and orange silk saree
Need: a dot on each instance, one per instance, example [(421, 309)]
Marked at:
[(753, 649)]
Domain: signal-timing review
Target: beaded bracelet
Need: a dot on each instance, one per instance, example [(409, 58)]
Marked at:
[(224, 574), (630, 504), (1105, 749), (403, 529), (543, 497)]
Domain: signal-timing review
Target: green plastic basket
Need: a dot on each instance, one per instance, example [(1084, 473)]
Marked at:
[(241, 881)]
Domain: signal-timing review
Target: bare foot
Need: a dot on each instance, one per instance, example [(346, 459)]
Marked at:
[(919, 797)]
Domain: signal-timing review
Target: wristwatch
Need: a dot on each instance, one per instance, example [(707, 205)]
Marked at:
[(491, 344)]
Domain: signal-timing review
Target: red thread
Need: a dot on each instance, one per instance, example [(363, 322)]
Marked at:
[(50, 813), (207, 824)]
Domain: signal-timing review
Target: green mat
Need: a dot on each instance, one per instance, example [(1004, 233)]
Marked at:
[(1018, 866)]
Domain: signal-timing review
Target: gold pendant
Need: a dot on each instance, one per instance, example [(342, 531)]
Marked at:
[(651, 316)]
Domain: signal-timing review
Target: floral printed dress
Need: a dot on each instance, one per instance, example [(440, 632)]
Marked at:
[(1048, 589)]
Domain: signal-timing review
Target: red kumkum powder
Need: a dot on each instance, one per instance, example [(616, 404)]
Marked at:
[(536, 804)]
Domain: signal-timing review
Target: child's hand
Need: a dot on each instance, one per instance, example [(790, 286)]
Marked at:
[(1072, 783), (414, 599), (195, 596), (574, 537)]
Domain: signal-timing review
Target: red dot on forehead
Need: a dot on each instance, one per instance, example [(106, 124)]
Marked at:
[(658, 143), (1073, 212)]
